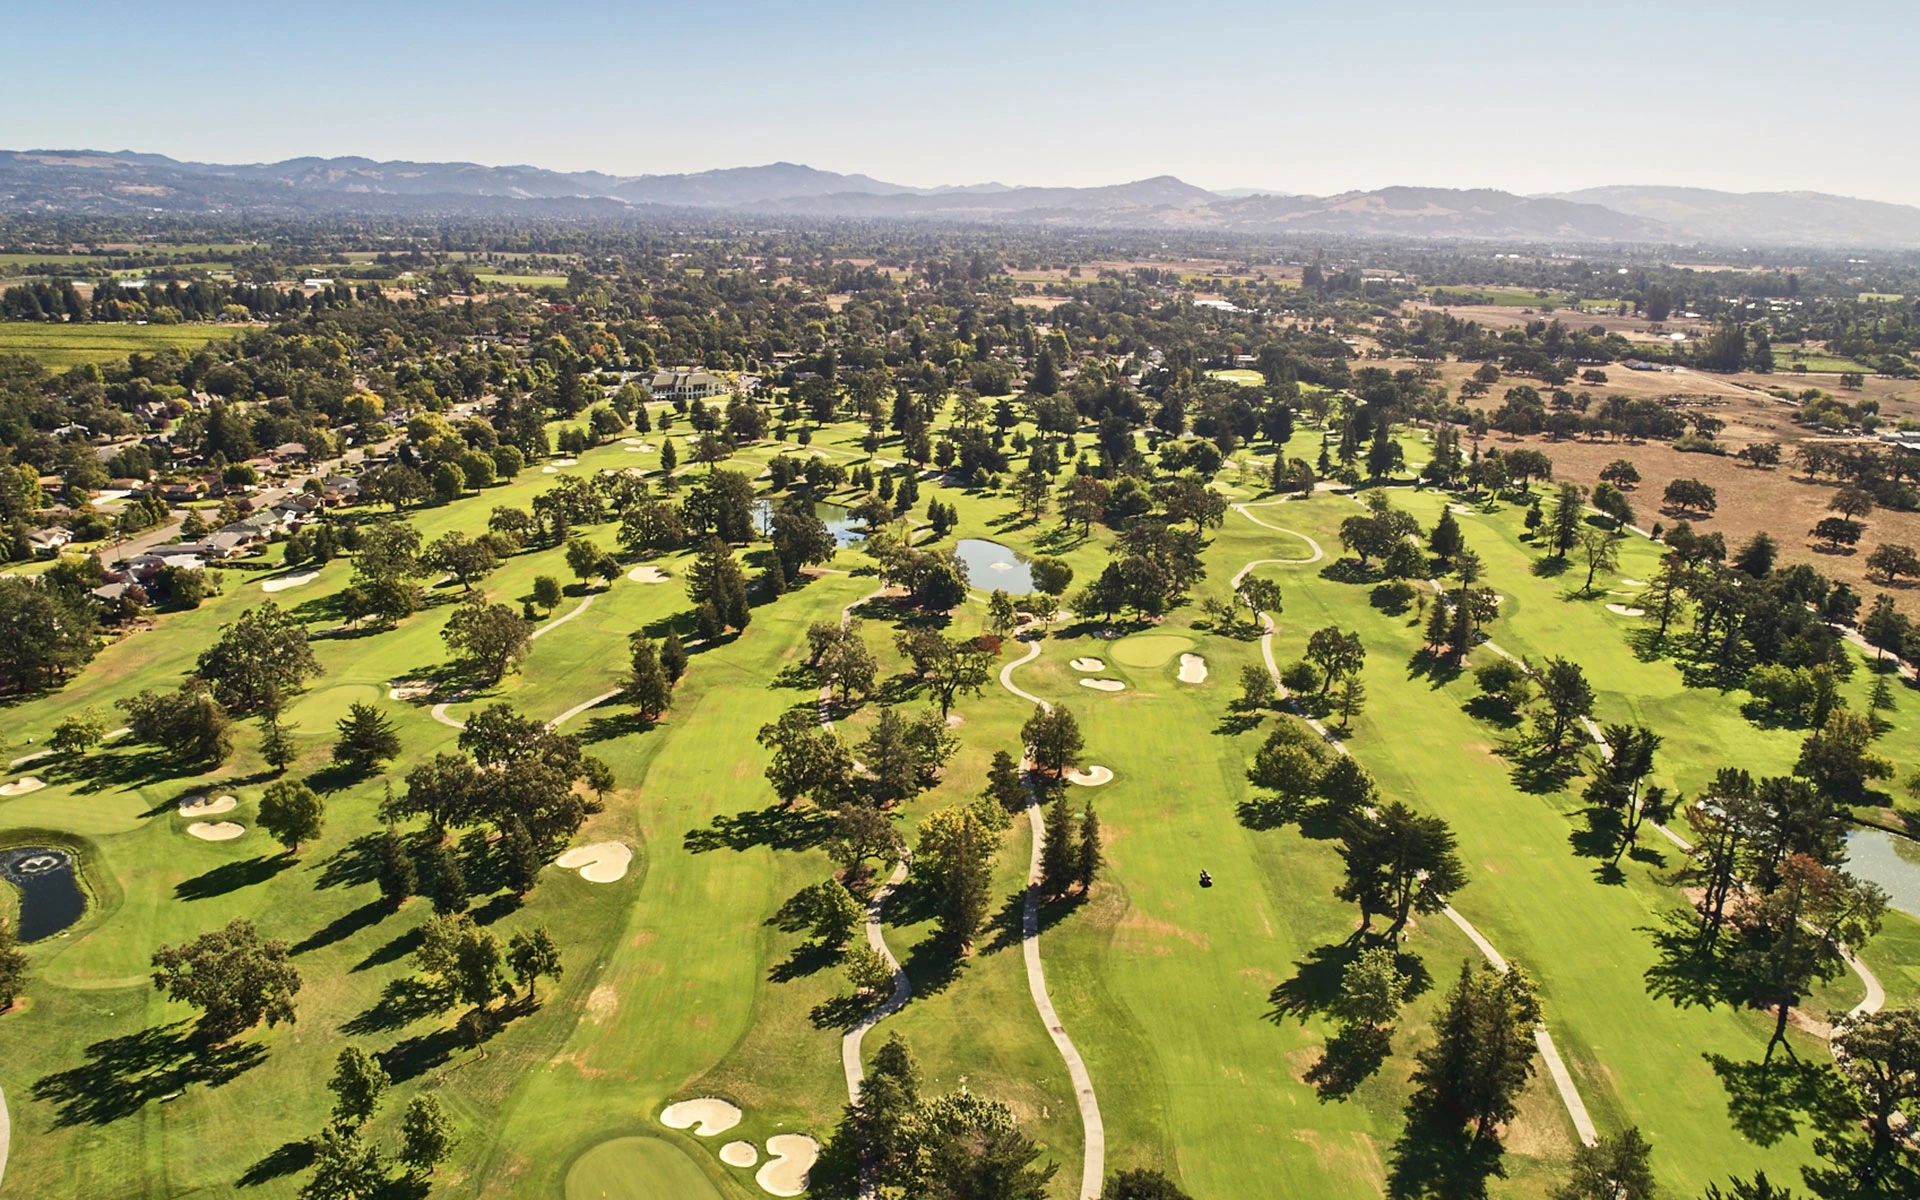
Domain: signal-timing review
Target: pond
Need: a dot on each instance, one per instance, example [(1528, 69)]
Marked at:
[(1890, 861), (991, 565), (838, 519), (50, 898)]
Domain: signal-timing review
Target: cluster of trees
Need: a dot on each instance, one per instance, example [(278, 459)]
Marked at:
[(51, 628), (345, 1167)]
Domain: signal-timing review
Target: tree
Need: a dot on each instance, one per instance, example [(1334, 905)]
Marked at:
[(461, 557), (957, 851), (1398, 863), (647, 686), (1337, 654), (426, 1136), (446, 882), (344, 1168), (397, 877), (1757, 1188), (1057, 865), (583, 558), (1621, 473), (79, 732), (716, 583), (1618, 1168), (1372, 989), (1794, 936), (486, 640), (673, 657), (1446, 539), (546, 592), (1619, 782), (1601, 553), (1087, 856), (1141, 1184), (467, 959), (1852, 503), (531, 954), (189, 722), (1564, 687), (232, 976), (357, 1084), (1893, 560), (1353, 698), (262, 653), (1256, 687), (1836, 532), (13, 968), (1484, 1049), (292, 812), (808, 761), (1690, 496), (1756, 556), (1053, 737), (1569, 514), (883, 1121), (367, 738), (50, 633), (1838, 757), (868, 971)]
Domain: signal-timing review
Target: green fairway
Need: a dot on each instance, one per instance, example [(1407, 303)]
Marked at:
[(1239, 375), (1787, 357), (60, 346)]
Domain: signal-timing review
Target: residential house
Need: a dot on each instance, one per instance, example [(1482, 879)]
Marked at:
[(48, 542)]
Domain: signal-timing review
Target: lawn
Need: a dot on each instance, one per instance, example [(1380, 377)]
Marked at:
[(58, 346), (1786, 357), (1239, 375), (1196, 1011)]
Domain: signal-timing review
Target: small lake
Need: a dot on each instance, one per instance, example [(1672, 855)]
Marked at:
[(991, 565), (1890, 861), (50, 897), (838, 519)]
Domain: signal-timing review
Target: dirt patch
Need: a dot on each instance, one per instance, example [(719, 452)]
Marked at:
[(602, 1003), (1137, 922)]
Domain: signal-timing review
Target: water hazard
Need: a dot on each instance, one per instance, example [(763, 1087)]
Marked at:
[(991, 565), (50, 897), (1890, 861)]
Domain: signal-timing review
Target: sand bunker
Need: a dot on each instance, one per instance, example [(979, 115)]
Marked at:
[(1087, 664), (22, 785), (289, 580), (707, 1116), (216, 831), (549, 470), (601, 862), (1193, 669), (793, 1156), (565, 462), (647, 575), (739, 1154), (409, 689), (1633, 582), (1625, 611), (207, 806), (642, 448), (1104, 685), (1091, 777)]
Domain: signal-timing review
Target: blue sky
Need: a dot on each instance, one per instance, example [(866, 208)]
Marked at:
[(1224, 93)]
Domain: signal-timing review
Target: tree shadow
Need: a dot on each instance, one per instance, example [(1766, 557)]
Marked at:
[(415, 1056), (933, 964), (1349, 570), (1316, 981), (1687, 970), (289, 1159), (841, 1012), (1264, 814), (1550, 567), (608, 726), (344, 927), (808, 958), (1492, 711), (231, 877), (393, 951), (1236, 723), (353, 864), (1438, 1158), (1647, 643), (776, 827), (1438, 668), (1598, 840), (401, 1003), (1767, 1101), (1350, 1059), (122, 1074), (1539, 772)]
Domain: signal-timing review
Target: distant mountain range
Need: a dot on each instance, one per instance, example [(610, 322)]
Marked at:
[(124, 181)]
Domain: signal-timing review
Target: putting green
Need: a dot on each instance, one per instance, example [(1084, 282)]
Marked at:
[(1150, 649), (638, 1168)]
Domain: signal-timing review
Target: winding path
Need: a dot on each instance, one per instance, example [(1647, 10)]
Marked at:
[(1093, 1159), (6, 1135), (850, 1060), (1549, 1053), (586, 602), (439, 711)]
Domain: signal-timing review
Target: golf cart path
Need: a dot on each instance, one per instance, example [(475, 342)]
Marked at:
[(1093, 1160), (1556, 1067), (6, 1132), (850, 1061), (585, 603), (1318, 553), (439, 711)]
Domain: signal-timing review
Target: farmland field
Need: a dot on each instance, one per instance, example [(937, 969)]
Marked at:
[(58, 346)]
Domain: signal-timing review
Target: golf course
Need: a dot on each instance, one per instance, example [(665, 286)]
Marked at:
[(1199, 1013)]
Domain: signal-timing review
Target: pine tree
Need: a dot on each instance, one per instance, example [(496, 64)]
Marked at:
[(1881, 701), (367, 738), (1088, 860), (520, 860), (1353, 699), (1460, 630), (1439, 623), (276, 745), (1004, 782), (1056, 852), (648, 689), (446, 883), (673, 657), (669, 457), (963, 899), (398, 880)]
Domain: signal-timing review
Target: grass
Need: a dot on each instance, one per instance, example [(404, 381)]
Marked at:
[(58, 346), (677, 986), (1239, 375), (1816, 361), (1889, 297)]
